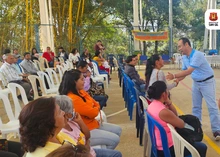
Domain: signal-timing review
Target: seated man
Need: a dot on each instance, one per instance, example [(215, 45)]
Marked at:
[(94, 91), (12, 75), (49, 56), (29, 68), (132, 72), (27, 65)]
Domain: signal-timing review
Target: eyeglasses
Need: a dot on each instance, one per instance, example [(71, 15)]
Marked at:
[(75, 148)]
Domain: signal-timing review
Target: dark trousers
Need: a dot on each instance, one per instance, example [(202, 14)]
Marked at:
[(14, 150), (199, 146), (101, 99), (26, 85)]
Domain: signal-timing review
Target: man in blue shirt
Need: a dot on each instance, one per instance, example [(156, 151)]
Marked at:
[(194, 63)]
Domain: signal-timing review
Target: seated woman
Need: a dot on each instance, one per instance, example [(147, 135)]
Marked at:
[(74, 56), (72, 85), (101, 61), (154, 73), (76, 128), (68, 150), (34, 54), (162, 110), (40, 124), (91, 87)]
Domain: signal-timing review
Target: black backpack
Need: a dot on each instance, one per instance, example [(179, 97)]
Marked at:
[(188, 134)]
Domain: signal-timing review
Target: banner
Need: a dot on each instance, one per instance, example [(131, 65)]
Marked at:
[(150, 36)]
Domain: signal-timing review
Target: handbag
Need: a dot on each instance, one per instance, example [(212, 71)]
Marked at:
[(3, 145)]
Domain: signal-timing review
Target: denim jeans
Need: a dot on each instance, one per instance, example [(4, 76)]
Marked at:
[(101, 99), (107, 134), (206, 90), (107, 153)]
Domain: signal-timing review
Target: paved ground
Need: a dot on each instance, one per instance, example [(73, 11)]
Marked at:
[(117, 114), (181, 97)]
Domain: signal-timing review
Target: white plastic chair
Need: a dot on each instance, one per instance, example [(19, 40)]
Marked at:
[(61, 71), (65, 66), (13, 125), (12, 87), (147, 141), (96, 73), (52, 89), (45, 92), (180, 143), (61, 60), (38, 64), (4, 90), (53, 75), (44, 63), (177, 59), (69, 63)]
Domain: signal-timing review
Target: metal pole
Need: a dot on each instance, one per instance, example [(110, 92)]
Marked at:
[(135, 23), (170, 28)]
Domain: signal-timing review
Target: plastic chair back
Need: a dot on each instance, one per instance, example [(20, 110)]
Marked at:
[(152, 124), (13, 87), (53, 75), (13, 125), (180, 144), (144, 102), (33, 79), (60, 71), (140, 121)]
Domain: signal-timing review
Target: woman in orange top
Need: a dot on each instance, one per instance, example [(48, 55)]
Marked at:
[(101, 134)]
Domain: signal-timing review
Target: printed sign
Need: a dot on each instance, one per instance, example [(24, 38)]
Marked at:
[(150, 36), (212, 20)]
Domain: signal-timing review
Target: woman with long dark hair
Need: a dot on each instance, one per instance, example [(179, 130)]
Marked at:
[(72, 85), (154, 73), (163, 111)]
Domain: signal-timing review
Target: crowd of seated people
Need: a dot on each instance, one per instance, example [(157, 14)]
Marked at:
[(41, 133)]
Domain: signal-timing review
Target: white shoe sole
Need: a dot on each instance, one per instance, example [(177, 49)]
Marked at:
[(217, 138)]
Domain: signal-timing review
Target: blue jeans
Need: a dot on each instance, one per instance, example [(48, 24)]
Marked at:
[(206, 90), (107, 153), (101, 99), (107, 134)]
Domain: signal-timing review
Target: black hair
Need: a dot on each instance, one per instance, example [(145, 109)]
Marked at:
[(6, 51), (68, 83), (60, 47), (185, 40), (26, 53), (150, 66), (129, 58), (32, 53), (74, 50), (81, 64), (99, 41), (156, 90)]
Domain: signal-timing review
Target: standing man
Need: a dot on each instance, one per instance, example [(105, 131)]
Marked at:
[(194, 63)]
